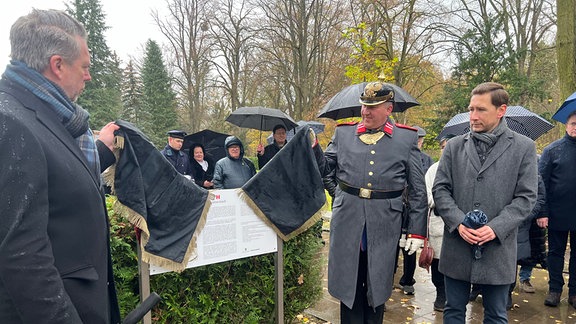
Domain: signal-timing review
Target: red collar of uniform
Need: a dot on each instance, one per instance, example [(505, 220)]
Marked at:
[(388, 128)]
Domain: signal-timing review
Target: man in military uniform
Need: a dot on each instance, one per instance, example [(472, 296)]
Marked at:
[(172, 152), (371, 163)]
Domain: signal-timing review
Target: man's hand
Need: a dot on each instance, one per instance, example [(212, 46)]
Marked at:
[(402, 241), (106, 135), (260, 149), (479, 236), (413, 244)]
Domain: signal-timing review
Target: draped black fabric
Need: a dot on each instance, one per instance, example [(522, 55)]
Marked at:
[(169, 208), (288, 192)]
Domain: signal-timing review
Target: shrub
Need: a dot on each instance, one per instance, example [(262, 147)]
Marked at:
[(239, 291)]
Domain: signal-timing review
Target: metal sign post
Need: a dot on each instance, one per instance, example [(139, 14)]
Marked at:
[(279, 281)]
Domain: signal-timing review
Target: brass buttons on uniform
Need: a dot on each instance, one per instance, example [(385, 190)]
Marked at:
[(370, 173), (369, 185), (373, 152), (372, 162)]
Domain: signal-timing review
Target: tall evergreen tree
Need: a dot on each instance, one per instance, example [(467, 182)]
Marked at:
[(132, 96), (158, 97), (101, 97)]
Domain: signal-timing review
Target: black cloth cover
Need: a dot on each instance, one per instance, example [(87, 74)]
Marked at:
[(288, 193), (169, 208)]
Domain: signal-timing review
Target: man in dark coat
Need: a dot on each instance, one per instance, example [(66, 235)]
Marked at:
[(55, 264), (493, 170), (173, 153), (265, 154), (407, 280), (558, 169), (369, 165)]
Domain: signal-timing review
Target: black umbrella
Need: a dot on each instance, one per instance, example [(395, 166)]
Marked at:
[(260, 118), (346, 102), (212, 141), (568, 106), (519, 119)]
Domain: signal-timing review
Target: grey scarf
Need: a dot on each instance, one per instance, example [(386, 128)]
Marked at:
[(485, 141)]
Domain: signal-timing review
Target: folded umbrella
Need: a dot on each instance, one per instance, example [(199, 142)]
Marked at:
[(475, 219)]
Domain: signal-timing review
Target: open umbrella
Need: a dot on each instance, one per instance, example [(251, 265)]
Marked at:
[(212, 141), (568, 106), (260, 118), (346, 102), (519, 119)]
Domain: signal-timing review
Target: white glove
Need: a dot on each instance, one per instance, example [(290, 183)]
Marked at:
[(402, 242), (413, 244)]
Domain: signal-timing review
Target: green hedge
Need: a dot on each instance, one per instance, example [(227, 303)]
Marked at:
[(239, 291)]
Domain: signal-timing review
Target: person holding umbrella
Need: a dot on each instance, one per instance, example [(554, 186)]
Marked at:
[(558, 170), (488, 176), (265, 154), (370, 164)]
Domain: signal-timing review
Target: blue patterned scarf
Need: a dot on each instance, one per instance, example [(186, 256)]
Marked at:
[(72, 116)]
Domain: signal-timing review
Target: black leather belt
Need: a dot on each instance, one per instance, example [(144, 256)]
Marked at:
[(369, 193)]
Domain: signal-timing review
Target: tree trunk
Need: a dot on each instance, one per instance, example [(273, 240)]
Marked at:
[(566, 42)]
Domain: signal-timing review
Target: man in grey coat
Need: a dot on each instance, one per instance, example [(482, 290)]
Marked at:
[(370, 164), (491, 169)]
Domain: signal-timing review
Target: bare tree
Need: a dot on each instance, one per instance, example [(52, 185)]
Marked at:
[(301, 41), (234, 39), (409, 33), (186, 28)]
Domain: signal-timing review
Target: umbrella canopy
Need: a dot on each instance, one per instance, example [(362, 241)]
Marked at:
[(519, 119), (346, 102), (212, 141), (260, 118), (568, 106), (317, 127)]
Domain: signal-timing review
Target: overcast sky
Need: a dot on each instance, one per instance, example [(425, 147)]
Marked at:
[(130, 24)]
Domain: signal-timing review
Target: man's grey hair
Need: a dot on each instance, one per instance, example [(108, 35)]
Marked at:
[(36, 37)]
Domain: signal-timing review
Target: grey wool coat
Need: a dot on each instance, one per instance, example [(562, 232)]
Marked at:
[(504, 187), (391, 164)]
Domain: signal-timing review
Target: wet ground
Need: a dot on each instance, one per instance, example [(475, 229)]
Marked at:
[(529, 308)]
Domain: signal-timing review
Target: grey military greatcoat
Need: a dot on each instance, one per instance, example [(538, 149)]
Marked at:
[(389, 165), (504, 187)]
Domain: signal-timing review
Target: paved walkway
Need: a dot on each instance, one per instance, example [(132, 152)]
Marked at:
[(528, 308)]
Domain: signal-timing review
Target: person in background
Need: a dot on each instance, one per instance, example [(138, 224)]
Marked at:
[(268, 152), (558, 169), (202, 166), (526, 248), (234, 170), (173, 153), (485, 187), (407, 280), (370, 164), (55, 262), (435, 233), (427, 161)]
